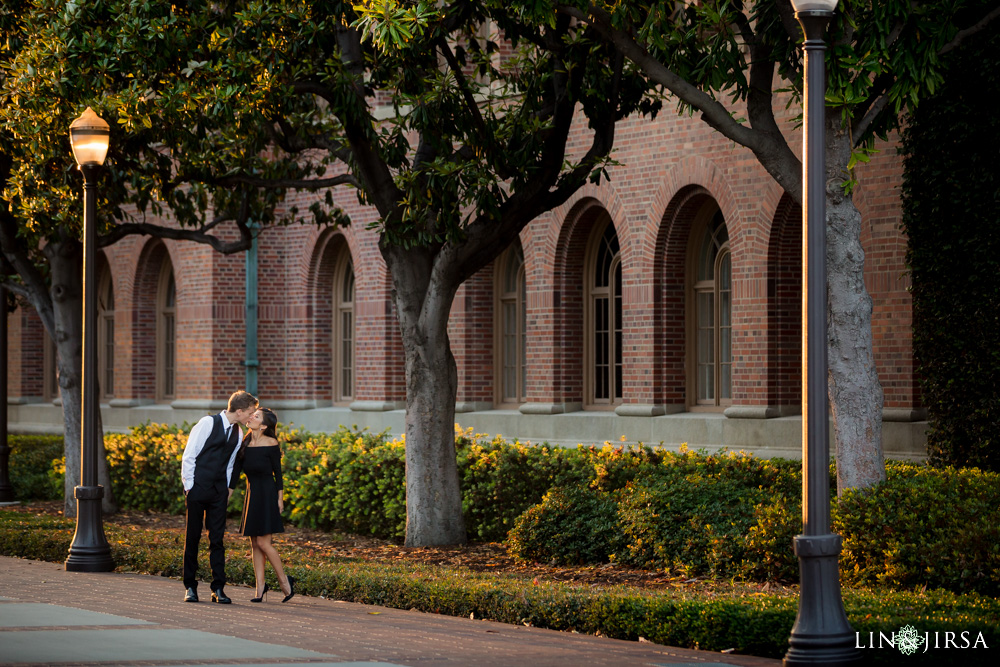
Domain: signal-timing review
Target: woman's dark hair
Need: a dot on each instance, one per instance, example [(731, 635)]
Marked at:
[(270, 421)]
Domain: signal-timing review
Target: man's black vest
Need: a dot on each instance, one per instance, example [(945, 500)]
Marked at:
[(211, 464)]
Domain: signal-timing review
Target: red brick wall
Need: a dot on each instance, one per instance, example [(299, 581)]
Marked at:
[(671, 169)]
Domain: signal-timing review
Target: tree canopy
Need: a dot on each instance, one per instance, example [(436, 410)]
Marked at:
[(220, 108)]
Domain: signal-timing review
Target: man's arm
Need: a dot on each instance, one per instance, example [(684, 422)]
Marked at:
[(196, 442)]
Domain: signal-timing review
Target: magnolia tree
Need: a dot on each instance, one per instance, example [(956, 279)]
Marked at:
[(717, 56), (451, 120)]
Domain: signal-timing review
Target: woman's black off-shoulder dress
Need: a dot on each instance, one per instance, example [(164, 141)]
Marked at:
[(262, 466)]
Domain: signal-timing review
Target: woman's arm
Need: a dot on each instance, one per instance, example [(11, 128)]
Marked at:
[(278, 479)]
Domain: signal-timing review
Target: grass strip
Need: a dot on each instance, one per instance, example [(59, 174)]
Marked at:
[(748, 623)]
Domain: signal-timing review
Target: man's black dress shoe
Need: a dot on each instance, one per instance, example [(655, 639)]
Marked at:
[(220, 597), (191, 595)]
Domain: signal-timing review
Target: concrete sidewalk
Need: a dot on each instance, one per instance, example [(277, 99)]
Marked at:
[(50, 616)]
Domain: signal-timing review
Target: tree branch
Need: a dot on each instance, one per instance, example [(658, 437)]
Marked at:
[(375, 174), (874, 105), (16, 288), (977, 27), (197, 235), (463, 85), (35, 289), (771, 150), (277, 183)]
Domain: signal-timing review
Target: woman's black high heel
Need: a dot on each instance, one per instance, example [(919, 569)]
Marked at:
[(262, 595), (291, 589)]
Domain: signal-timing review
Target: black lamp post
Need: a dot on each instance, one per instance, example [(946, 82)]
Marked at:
[(89, 551), (821, 634), (6, 490)]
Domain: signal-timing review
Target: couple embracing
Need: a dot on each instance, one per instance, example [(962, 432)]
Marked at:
[(216, 455)]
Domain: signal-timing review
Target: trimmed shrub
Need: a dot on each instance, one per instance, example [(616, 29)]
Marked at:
[(34, 466), (145, 467), (350, 480), (693, 525), (923, 528), (501, 480), (572, 525)]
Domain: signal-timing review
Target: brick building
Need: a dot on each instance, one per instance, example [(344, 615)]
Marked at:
[(662, 306)]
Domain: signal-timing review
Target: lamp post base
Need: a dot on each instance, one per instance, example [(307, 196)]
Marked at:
[(829, 650), (821, 634), (90, 551)]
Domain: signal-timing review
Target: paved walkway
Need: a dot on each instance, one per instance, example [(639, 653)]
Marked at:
[(50, 616)]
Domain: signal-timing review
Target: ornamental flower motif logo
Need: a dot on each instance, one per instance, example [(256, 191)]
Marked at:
[(908, 640)]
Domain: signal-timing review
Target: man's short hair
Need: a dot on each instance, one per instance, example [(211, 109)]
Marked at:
[(241, 400)]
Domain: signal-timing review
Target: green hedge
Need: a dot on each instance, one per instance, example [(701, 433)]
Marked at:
[(750, 622), (35, 466), (736, 515), (724, 515), (951, 191)]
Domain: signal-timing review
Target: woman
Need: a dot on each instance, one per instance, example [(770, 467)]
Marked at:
[(259, 458)]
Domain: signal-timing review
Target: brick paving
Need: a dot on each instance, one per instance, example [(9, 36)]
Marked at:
[(342, 632)]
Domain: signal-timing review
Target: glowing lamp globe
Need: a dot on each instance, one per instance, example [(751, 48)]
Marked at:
[(814, 5), (88, 136)]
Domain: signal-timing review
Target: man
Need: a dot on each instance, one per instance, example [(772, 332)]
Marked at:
[(206, 467)]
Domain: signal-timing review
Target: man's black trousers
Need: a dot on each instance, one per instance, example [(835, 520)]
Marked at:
[(206, 507)]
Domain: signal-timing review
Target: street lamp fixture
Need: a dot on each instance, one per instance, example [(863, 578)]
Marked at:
[(821, 634), (89, 551)]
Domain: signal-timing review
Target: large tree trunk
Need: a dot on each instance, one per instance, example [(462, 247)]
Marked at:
[(66, 268), (855, 392), (433, 496)]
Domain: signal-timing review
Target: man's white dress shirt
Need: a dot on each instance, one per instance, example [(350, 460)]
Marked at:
[(196, 442)]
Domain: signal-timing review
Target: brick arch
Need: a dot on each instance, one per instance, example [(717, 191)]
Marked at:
[(784, 306), (143, 329), (569, 297), (326, 258), (690, 172), (670, 292)]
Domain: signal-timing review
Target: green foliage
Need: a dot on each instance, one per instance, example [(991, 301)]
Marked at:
[(34, 466), (923, 528), (571, 525), (951, 191), (145, 467), (751, 623), (349, 480), (736, 516), (500, 480)]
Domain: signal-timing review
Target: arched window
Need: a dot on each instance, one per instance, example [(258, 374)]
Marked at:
[(713, 306), (106, 335), (343, 329), (513, 334), (166, 334), (605, 318)]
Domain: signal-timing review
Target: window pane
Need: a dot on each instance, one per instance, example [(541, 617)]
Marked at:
[(705, 343), (602, 339), (347, 354), (511, 271), (348, 293), (168, 354), (509, 349)]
